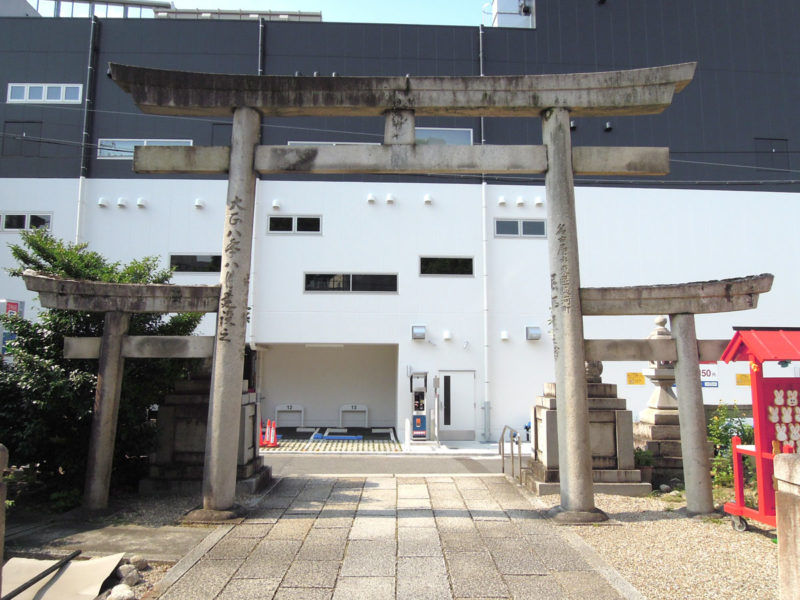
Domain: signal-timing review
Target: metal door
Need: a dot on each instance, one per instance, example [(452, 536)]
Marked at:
[(456, 405)]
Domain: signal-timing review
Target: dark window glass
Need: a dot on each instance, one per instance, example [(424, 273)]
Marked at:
[(374, 283), (39, 222), (308, 224), (445, 266), (196, 263), (21, 138), (533, 228), (14, 222), (447, 403), (506, 227), (327, 282), (280, 223)]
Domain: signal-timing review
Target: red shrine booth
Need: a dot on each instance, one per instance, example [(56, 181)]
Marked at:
[(776, 415)]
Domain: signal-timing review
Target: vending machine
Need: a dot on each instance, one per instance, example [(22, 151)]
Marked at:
[(419, 417), (11, 308)]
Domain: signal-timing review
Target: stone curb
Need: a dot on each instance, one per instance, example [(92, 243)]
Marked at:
[(188, 561), (614, 579)]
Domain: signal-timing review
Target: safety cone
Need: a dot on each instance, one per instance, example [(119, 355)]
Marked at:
[(263, 437), (272, 434)]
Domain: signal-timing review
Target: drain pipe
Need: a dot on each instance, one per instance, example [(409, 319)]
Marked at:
[(487, 405), (88, 118)]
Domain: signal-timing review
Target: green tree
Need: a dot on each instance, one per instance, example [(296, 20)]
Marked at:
[(47, 400)]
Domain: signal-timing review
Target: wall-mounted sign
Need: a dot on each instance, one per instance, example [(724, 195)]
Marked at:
[(743, 379), (709, 376), (636, 379)]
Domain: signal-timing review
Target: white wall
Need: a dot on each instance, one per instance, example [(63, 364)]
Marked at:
[(626, 237), (322, 379)]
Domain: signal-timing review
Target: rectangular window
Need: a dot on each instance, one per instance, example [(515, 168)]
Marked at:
[(295, 224), (45, 93), (374, 283), (520, 227), (14, 222), (22, 138), (20, 221), (346, 282), (327, 282), (122, 149), (437, 265), (447, 136), (39, 221), (195, 263)]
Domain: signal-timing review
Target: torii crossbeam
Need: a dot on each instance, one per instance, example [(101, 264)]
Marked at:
[(553, 98)]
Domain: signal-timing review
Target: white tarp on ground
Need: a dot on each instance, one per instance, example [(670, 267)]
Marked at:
[(77, 580)]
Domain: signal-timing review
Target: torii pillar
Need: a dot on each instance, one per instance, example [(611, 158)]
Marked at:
[(553, 98)]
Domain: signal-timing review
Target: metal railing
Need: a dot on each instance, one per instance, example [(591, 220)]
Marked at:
[(501, 446)]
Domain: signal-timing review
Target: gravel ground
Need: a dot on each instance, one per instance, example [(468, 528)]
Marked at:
[(649, 541), (666, 555)]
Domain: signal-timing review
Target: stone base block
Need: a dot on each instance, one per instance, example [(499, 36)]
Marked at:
[(652, 416), (537, 471), (259, 477), (664, 447), (656, 432), (541, 488)]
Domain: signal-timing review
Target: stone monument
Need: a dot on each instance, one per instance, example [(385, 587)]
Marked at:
[(610, 436)]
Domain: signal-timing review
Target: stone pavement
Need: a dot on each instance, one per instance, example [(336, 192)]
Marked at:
[(415, 537)]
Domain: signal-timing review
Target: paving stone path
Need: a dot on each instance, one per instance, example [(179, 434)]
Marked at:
[(433, 537)]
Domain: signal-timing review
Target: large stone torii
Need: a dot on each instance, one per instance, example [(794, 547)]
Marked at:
[(553, 98)]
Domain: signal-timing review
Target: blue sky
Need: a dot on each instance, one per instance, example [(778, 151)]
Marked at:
[(424, 12)]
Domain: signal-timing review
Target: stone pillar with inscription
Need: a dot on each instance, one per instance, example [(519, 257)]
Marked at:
[(219, 479), (574, 447)]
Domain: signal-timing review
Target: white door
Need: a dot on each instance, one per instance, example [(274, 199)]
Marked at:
[(456, 405)]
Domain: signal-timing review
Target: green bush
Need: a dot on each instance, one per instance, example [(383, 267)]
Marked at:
[(642, 457), (46, 413), (727, 422)]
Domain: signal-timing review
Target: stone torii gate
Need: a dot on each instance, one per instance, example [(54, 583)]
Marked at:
[(552, 98), (118, 301)]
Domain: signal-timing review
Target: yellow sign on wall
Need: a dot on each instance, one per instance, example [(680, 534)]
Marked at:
[(743, 379), (635, 379)]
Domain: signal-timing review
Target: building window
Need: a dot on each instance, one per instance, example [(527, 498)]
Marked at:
[(122, 149), (195, 263), (295, 224), (520, 227), (772, 153), (22, 138), (21, 221), (448, 136), (45, 93), (438, 265), (346, 282)]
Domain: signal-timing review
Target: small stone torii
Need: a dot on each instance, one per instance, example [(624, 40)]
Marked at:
[(118, 301), (552, 98)]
